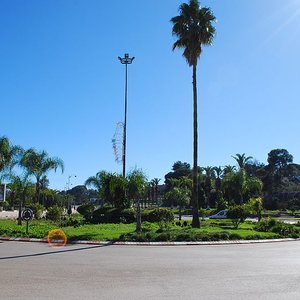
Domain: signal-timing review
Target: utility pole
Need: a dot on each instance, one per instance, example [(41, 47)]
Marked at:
[(126, 60)]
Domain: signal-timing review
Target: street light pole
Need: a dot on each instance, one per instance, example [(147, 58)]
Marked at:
[(126, 60), (69, 210)]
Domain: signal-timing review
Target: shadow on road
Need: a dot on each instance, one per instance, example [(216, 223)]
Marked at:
[(53, 252)]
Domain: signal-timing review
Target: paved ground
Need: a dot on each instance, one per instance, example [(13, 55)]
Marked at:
[(259, 271)]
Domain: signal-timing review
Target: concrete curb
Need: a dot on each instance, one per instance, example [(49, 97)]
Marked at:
[(107, 243)]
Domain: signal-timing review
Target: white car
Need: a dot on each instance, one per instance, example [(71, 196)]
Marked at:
[(222, 214)]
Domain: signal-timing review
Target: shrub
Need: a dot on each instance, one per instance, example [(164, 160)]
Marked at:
[(271, 225), (184, 236), (234, 236), (54, 213), (37, 209), (265, 225), (237, 214), (6, 205), (69, 222), (158, 215), (162, 237), (112, 215), (86, 209), (283, 229)]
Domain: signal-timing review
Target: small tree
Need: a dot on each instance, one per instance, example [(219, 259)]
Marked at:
[(180, 192), (237, 214), (137, 183), (255, 205)]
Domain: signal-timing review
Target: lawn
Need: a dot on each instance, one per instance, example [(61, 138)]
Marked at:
[(210, 230)]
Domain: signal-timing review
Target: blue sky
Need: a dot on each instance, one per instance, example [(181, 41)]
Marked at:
[(62, 86)]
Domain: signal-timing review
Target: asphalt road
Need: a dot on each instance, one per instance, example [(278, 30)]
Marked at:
[(256, 271)]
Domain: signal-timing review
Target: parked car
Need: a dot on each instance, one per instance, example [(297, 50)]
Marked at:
[(222, 214)]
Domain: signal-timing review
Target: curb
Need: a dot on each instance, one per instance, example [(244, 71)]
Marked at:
[(107, 243)]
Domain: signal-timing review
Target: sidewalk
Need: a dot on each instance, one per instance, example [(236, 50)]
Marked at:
[(107, 243)]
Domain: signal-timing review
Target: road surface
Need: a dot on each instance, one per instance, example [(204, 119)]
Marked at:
[(256, 271)]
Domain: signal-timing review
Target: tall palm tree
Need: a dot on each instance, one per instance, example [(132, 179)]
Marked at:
[(38, 164), (242, 159), (193, 28)]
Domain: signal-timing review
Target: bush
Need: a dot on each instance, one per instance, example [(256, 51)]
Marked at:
[(235, 236), (237, 214), (184, 236), (37, 209), (6, 205), (265, 225), (271, 225), (86, 210), (113, 215), (54, 213), (158, 215), (162, 237)]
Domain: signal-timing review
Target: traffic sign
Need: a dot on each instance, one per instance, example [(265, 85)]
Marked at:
[(27, 214)]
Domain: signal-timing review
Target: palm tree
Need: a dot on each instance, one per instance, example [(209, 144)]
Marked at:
[(228, 169), (100, 182), (194, 29), (239, 185), (180, 191), (155, 182), (38, 164), (111, 188), (209, 175), (242, 159), (20, 186), (8, 154)]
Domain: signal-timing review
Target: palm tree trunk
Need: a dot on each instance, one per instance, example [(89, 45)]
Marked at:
[(20, 213), (195, 211), (38, 191), (138, 216)]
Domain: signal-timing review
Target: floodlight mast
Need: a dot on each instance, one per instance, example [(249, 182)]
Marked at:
[(126, 60)]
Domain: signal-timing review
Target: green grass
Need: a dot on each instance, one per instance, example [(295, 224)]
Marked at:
[(98, 232), (104, 232)]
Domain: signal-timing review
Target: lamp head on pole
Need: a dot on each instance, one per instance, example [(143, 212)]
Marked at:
[(126, 60)]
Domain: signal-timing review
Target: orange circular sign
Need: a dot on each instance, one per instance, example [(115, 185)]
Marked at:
[(57, 238)]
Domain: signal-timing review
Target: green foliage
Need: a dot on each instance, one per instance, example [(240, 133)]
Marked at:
[(6, 205), (54, 213), (234, 236), (75, 229), (255, 206), (221, 204), (38, 164), (271, 225), (111, 188), (86, 210), (158, 215), (112, 215), (237, 214), (37, 209)]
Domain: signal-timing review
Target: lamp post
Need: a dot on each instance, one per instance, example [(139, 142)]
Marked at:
[(126, 60), (69, 210)]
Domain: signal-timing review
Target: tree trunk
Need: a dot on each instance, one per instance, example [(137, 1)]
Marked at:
[(195, 211), (138, 216), (37, 190), (20, 213)]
